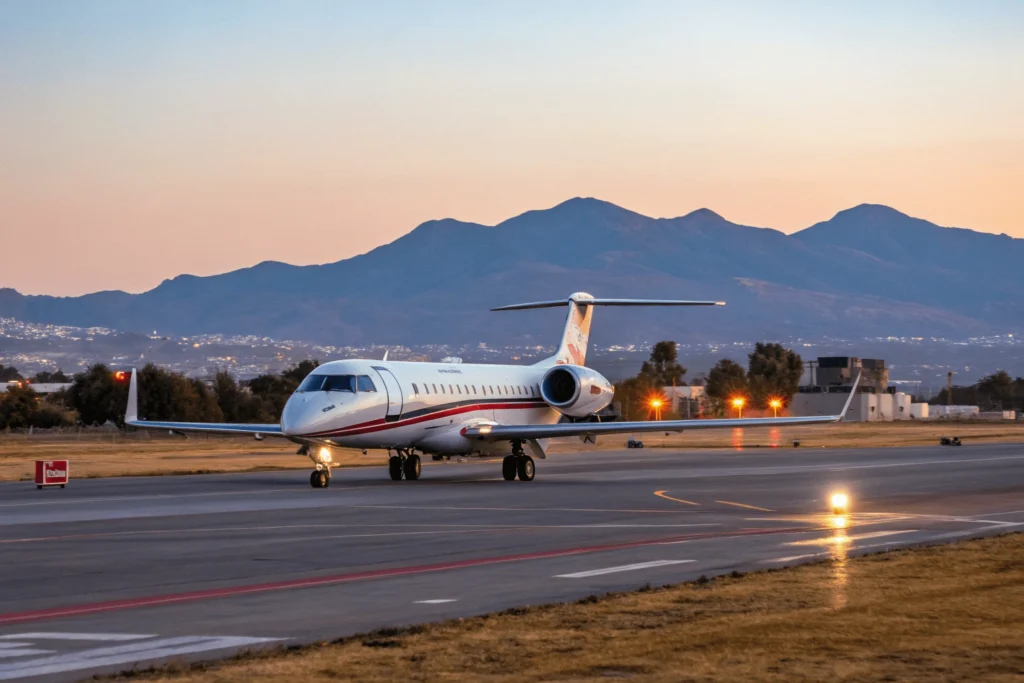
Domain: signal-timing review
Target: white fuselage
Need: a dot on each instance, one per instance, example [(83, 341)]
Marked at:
[(422, 406)]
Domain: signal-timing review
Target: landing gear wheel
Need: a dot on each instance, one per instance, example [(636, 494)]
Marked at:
[(525, 468), (395, 468), (508, 468), (319, 479), (411, 467)]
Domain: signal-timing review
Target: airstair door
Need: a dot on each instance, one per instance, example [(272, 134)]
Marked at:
[(394, 391)]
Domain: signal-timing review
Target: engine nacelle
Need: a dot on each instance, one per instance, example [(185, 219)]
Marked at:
[(576, 391)]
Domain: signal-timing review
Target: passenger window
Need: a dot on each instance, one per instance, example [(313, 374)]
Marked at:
[(415, 389), (366, 384), (458, 388), (435, 387), (442, 388), (474, 388)]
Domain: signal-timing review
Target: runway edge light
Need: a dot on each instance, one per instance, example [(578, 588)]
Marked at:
[(840, 503)]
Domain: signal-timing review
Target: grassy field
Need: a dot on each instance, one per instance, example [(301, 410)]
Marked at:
[(141, 453), (946, 613)]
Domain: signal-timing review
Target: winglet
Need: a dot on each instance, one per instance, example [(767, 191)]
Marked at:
[(849, 400), (131, 413)]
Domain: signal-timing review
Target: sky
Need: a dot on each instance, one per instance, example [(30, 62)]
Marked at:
[(142, 140)]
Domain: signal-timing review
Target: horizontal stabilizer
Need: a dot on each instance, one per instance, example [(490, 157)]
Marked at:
[(607, 302)]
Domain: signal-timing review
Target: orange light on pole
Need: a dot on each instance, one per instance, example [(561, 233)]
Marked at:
[(656, 404), (738, 403), (775, 404)]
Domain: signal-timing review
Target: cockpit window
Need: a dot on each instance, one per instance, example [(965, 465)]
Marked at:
[(340, 383), (329, 383), (312, 383), (366, 384)]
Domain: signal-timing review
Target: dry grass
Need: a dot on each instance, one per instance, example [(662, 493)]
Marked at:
[(144, 453), (147, 453), (948, 613)]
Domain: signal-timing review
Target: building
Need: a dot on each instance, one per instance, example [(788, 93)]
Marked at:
[(831, 380), (38, 387), (686, 401)]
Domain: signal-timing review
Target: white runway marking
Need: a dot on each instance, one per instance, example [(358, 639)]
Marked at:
[(25, 652), (49, 635), (438, 601), (622, 568), (147, 649)]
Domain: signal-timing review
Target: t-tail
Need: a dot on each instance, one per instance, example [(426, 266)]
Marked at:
[(572, 349)]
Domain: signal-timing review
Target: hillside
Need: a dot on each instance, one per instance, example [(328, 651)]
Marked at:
[(868, 271)]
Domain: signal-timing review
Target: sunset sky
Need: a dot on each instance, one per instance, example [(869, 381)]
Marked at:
[(141, 140)]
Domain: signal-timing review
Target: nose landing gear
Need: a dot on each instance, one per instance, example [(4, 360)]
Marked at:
[(320, 479), (405, 464), (518, 464)]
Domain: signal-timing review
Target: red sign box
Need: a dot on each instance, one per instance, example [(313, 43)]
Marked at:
[(52, 473)]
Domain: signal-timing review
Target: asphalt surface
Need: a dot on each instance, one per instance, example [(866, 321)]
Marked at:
[(114, 573)]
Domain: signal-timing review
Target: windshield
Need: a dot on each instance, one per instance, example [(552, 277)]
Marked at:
[(328, 383)]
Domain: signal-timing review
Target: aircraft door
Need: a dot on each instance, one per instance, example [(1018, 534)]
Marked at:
[(394, 391)]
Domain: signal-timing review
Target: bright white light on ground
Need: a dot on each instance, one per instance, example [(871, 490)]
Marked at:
[(839, 502)]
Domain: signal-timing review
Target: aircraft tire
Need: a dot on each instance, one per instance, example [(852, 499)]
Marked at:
[(395, 468), (508, 468), (412, 467), (314, 479), (525, 468)]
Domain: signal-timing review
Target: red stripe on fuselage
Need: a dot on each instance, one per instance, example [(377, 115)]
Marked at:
[(381, 424)]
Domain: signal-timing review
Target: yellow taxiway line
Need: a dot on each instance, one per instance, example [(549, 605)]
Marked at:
[(661, 494), (742, 505)]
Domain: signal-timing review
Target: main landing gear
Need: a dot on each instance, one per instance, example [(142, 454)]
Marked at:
[(404, 465), (518, 464)]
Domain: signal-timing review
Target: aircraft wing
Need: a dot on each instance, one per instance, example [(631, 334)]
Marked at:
[(489, 432), (131, 418)]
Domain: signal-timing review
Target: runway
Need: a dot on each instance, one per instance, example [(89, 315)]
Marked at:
[(111, 573)]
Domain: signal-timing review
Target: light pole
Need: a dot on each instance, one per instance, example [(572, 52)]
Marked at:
[(775, 404), (656, 405), (737, 403)]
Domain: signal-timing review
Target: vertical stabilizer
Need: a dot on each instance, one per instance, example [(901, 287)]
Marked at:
[(572, 350)]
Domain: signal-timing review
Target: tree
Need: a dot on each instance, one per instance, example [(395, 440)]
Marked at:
[(773, 372), (274, 390), (996, 391), (726, 381), (634, 397), (8, 374), (18, 406), (44, 377), (663, 369), (97, 396), (298, 372)]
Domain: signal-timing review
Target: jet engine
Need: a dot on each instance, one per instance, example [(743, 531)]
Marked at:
[(575, 391)]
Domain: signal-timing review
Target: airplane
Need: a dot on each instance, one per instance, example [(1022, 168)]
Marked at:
[(459, 409)]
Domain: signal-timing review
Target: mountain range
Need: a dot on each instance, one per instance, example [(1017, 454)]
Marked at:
[(868, 271)]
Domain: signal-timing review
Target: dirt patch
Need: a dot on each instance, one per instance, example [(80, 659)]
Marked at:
[(942, 613)]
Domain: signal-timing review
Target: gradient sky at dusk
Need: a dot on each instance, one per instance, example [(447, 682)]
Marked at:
[(206, 136)]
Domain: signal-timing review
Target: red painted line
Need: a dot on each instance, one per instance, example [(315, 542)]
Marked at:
[(231, 591)]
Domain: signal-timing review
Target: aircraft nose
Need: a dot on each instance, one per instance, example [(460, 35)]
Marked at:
[(294, 416)]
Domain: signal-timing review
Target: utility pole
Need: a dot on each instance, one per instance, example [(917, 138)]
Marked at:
[(949, 388)]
